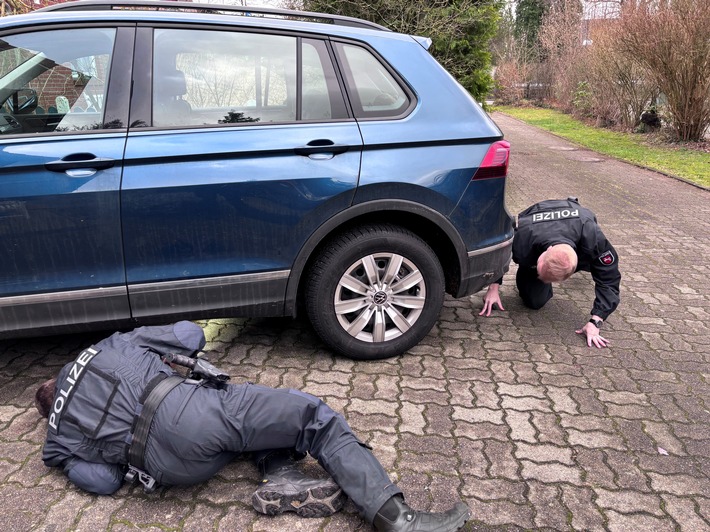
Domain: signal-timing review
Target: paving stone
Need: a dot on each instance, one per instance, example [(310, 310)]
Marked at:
[(585, 514), (497, 513), (501, 459), (628, 501), (521, 429), (493, 489), (683, 511), (627, 473), (562, 400), (485, 395), (635, 435), (662, 435), (525, 404), (704, 507), (548, 429), (679, 484), (632, 523), (544, 453), (596, 471), (595, 439), (549, 510), (478, 415), (587, 423), (551, 472), (412, 418)]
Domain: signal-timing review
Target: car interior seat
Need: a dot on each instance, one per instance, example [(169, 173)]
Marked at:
[(169, 86)]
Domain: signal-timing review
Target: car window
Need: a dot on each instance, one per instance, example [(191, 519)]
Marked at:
[(54, 81), (374, 90), (203, 77)]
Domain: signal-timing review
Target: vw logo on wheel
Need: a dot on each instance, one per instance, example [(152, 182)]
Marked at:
[(379, 298)]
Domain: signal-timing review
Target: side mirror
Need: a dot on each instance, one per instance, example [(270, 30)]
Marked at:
[(22, 102)]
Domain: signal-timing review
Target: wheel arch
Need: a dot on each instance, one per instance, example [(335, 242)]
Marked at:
[(434, 228)]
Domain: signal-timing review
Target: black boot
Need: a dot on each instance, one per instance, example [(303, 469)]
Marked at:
[(285, 489), (396, 516)]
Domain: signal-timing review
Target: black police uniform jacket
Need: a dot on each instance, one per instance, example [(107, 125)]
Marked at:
[(97, 397), (553, 222)]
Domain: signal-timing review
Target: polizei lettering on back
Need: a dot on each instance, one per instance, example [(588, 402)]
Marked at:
[(555, 215), (63, 395)]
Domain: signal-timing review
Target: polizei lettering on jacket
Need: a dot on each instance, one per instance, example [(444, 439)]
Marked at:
[(63, 395), (555, 215)]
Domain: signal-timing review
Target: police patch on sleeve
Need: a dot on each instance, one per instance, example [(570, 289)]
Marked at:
[(607, 258)]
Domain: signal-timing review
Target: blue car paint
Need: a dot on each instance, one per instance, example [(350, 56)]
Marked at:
[(65, 233), (230, 200)]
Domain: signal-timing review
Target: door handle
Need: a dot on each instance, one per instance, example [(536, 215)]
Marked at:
[(321, 146), (80, 161)]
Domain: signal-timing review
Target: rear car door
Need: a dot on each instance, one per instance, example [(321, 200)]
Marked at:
[(243, 149), (62, 136)]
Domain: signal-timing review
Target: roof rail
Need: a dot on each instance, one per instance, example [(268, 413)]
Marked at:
[(170, 5)]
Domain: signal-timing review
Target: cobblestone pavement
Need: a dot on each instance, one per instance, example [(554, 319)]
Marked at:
[(512, 413)]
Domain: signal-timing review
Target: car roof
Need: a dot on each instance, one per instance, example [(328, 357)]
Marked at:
[(188, 6), (188, 12)]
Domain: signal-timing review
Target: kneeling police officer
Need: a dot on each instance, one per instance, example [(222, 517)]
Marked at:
[(553, 240), (120, 411)]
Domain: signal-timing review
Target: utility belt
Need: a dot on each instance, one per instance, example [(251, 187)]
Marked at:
[(158, 388)]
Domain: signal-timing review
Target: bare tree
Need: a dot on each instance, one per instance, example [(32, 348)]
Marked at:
[(561, 40), (621, 88), (670, 38)]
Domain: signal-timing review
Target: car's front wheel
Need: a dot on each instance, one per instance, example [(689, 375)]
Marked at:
[(375, 292)]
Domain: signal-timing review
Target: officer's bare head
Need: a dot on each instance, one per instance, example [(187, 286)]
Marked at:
[(557, 263), (45, 396)]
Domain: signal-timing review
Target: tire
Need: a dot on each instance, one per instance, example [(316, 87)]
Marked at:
[(381, 314)]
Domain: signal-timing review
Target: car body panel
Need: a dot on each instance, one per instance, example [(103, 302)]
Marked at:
[(60, 234), (245, 203)]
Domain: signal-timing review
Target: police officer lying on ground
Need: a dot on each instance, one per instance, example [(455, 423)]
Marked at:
[(554, 239), (120, 411)]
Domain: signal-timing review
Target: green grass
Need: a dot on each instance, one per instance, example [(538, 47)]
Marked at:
[(693, 165)]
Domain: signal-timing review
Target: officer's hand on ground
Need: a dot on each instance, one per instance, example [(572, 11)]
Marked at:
[(593, 336), (491, 298)]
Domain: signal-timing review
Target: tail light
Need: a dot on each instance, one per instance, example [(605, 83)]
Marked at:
[(495, 163)]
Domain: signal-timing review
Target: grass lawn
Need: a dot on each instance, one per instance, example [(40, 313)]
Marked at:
[(693, 165)]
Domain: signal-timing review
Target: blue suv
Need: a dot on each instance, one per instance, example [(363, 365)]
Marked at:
[(171, 160)]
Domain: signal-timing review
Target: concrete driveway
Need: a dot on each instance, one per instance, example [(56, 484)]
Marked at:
[(512, 413)]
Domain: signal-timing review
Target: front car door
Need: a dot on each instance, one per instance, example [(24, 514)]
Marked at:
[(62, 136), (244, 150)]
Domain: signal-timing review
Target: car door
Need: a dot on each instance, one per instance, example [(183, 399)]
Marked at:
[(247, 148), (62, 136)]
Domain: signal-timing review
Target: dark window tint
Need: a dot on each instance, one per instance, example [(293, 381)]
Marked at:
[(374, 91), (54, 81)]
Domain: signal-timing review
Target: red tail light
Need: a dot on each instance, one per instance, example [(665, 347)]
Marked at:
[(495, 163)]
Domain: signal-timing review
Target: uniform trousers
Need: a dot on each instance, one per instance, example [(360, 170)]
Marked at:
[(197, 430), (534, 292)]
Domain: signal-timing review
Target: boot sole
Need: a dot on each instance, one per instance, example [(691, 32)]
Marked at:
[(313, 502)]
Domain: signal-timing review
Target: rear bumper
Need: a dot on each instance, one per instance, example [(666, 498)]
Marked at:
[(485, 266)]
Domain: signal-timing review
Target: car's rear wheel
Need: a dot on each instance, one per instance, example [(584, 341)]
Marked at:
[(375, 292)]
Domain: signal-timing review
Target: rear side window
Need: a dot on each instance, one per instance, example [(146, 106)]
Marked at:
[(203, 77), (374, 91), (54, 81)]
